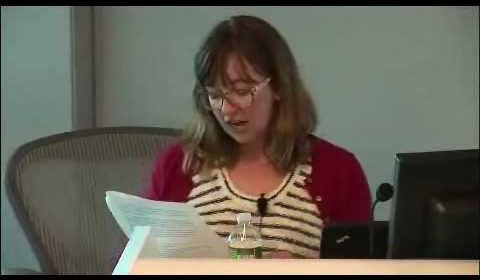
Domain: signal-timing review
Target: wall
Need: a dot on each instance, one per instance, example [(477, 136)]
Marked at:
[(384, 79), (35, 98)]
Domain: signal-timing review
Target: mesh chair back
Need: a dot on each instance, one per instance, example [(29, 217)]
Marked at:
[(57, 186)]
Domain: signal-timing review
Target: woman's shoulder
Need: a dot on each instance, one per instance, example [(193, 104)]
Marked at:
[(173, 149), (168, 182), (328, 150), (170, 154), (328, 155)]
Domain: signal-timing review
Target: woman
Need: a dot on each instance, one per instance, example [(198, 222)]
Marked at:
[(252, 138)]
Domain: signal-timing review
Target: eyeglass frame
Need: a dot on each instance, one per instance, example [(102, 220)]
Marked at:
[(253, 91)]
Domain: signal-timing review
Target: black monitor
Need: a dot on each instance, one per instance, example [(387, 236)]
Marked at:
[(435, 209)]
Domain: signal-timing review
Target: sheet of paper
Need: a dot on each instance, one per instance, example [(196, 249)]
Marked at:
[(169, 217), (176, 228)]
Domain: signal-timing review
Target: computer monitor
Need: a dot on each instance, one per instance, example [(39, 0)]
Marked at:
[(435, 208)]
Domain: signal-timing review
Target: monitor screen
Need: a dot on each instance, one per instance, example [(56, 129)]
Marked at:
[(435, 208)]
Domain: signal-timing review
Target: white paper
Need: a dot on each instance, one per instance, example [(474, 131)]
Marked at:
[(177, 230)]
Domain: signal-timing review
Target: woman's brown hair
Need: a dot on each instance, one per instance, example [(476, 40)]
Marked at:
[(207, 146)]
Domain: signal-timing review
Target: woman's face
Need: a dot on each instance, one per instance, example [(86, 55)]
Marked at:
[(244, 124)]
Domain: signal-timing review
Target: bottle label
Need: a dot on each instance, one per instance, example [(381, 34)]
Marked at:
[(245, 253)]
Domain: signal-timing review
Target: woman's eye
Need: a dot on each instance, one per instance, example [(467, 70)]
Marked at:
[(242, 91)]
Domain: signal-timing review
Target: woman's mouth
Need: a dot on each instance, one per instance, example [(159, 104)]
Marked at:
[(237, 124)]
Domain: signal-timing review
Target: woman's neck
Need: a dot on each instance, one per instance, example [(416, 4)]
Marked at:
[(252, 152)]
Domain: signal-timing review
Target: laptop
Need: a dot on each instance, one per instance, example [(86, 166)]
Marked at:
[(351, 241)]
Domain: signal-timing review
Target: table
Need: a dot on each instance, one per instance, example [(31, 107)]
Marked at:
[(135, 261), (300, 266)]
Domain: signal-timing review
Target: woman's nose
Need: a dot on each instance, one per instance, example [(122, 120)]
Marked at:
[(228, 107)]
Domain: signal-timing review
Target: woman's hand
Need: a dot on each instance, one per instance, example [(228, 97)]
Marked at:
[(278, 255)]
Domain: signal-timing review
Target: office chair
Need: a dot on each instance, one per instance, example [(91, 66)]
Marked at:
[(57, 185)]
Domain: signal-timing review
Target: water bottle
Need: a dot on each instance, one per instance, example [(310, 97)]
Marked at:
[(244, 242)]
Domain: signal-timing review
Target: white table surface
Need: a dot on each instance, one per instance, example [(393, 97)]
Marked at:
[(302, 266)]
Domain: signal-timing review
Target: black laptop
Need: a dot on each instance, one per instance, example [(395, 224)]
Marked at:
[(351, 241)]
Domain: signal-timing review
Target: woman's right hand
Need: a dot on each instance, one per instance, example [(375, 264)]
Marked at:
[(278, 255)]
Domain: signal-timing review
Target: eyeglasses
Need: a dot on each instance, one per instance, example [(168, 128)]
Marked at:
[(241, 98)]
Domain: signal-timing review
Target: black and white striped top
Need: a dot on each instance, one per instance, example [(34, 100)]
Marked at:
[(292, 223)]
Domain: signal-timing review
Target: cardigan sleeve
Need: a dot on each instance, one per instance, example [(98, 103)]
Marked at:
[(159, 179), (357, 200)]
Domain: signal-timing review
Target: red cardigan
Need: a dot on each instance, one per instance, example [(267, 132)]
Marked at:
[(338, 184)]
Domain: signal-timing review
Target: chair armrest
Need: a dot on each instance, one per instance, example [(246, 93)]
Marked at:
[(20, 271)]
